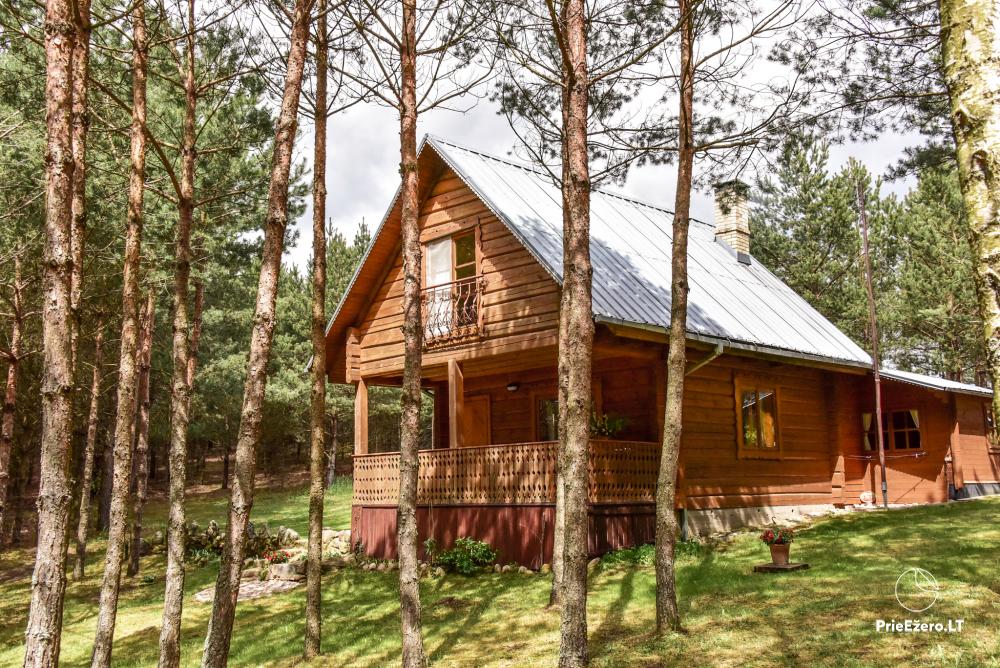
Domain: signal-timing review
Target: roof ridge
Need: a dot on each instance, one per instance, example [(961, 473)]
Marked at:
[(534, 170)]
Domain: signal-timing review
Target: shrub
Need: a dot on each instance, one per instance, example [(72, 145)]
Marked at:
[(640, 555), (645, 555), (466, 557)]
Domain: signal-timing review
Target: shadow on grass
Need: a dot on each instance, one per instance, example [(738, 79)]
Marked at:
[(823, 616)]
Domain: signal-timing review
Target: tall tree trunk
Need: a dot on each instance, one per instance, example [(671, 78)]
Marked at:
[(140, 458), (195, 342), (127, 367), (227, 585), (48, 582), (107, 466), (970, 46), (10, 391), (180, 389), (667, 616), (331, 458), (409, 441), (28, 463), (89, 448), (81, 123), (576, 326), (317, 449)]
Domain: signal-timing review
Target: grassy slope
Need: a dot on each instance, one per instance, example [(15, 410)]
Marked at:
[(824, 616)]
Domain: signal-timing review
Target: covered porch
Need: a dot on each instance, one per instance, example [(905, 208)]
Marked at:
[(490, 465)]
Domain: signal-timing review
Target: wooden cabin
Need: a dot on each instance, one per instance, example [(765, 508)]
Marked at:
[(777, 400)]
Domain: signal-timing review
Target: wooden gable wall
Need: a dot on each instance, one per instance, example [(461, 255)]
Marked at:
[(520, 299)]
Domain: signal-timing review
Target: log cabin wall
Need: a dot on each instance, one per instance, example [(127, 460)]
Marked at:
[(520, 301), (910, 479), (714, 474), (977, 463)]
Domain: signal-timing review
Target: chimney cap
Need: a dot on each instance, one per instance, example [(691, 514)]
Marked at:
[(736, 185)]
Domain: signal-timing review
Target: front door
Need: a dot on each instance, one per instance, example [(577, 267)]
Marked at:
[(476, 420)]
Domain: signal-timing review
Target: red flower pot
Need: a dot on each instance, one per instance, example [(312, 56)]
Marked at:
[(779, 554)]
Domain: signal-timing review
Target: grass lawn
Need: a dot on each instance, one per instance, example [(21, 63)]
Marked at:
[(823, 616)]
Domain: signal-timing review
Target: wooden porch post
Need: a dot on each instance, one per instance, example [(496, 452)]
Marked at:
[(361, 418), (456, 401)]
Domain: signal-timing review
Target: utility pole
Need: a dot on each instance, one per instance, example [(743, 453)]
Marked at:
[(873, 328)]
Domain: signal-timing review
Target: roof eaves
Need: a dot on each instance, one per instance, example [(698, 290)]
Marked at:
[(935, 383), (740, 345)]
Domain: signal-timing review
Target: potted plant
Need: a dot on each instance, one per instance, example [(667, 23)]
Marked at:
[(779, 541)]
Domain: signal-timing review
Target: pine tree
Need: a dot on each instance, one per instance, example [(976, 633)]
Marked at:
[(937, 316), (804, 229)]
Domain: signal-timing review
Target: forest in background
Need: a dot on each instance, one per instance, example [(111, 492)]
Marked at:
[(176, 123), (804, 229)]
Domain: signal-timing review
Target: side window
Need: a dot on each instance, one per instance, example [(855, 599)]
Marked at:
[(758, 434), (900, 430)]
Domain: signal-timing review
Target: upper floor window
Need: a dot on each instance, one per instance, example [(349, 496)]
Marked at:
[(757, 418), (450, 259), (900, 430), (451, 288)]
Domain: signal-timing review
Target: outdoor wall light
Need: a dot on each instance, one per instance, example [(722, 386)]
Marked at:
[(513, 387)]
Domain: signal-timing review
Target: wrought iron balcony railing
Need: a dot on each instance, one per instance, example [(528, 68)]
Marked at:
[(452, 311)]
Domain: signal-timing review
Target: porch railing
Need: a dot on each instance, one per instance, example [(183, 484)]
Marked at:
[(512, 474), (452, 311)]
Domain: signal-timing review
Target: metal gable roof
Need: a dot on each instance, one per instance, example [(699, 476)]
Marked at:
[(744, 306)]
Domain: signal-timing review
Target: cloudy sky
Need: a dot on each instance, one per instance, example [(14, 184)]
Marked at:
[(363, 159)]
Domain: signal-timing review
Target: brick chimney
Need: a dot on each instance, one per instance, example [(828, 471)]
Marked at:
[(732, 216)]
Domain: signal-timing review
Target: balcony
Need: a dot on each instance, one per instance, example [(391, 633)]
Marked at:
[(620, 472), (452, 312)]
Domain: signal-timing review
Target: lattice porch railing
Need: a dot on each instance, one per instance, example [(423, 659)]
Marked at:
[(511, 474)]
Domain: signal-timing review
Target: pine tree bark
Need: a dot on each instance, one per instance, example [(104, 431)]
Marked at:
[(10, 390), (667, 615), (89, 449), (107, 466), (406, 514), (48, 582), (576, 335), (227, 585), (81, 124), (317, 437), (195, 342), (180, 388), (140, 457), (127, 367), (970, 47)]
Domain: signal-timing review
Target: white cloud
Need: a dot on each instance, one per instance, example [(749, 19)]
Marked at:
[(363, 163)]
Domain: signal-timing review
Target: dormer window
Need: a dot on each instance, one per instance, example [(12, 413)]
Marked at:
[(451, 288)]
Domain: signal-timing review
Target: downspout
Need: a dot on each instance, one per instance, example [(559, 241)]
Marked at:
[(719, 349)]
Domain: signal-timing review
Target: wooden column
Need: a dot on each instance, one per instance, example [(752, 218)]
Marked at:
[(361, 418), (456, 400)]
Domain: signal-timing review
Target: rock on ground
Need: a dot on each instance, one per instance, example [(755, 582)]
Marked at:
[(251, 589)]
